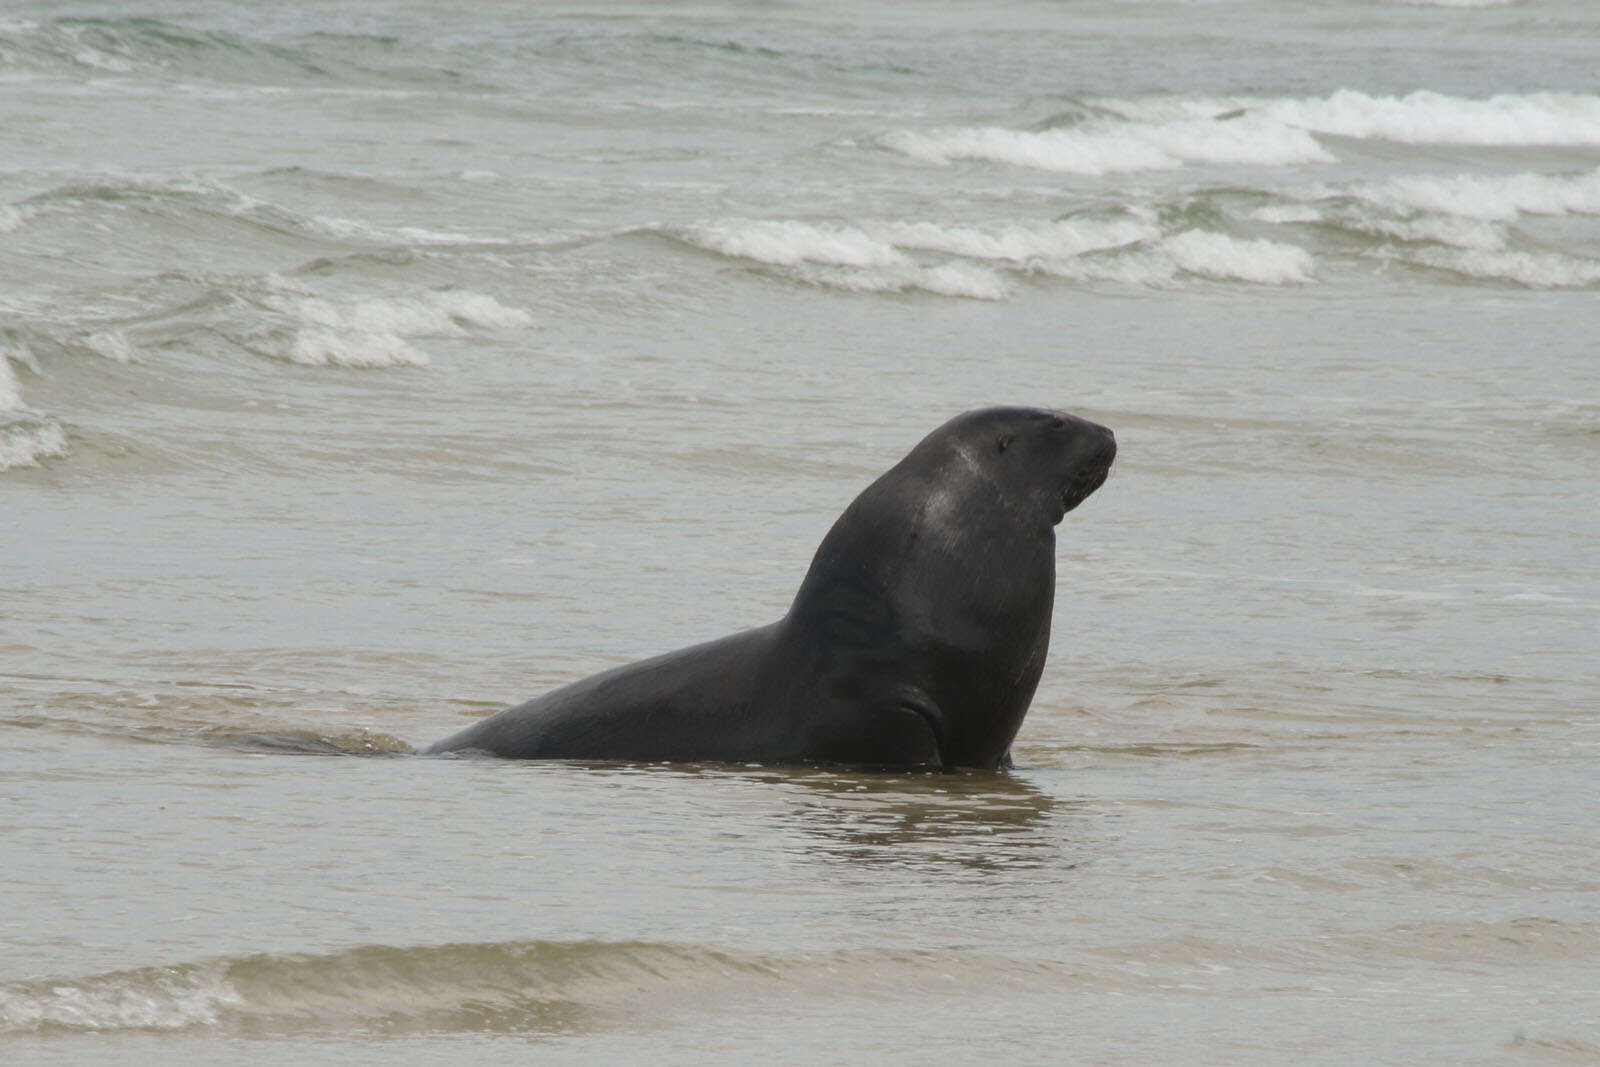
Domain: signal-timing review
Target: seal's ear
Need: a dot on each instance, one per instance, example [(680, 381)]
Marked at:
[(1004, 442)]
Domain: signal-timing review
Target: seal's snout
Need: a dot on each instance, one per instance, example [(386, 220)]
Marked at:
[(1096, 453), (1108, 447)]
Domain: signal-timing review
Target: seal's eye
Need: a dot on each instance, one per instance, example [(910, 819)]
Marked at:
[(1004, 443)]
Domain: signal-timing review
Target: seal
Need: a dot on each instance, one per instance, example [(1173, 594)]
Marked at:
[(915, 641)]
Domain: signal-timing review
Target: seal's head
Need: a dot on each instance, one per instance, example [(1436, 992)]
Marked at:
[(1049, 459)]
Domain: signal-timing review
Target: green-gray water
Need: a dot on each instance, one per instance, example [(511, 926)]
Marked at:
[(366, 368)]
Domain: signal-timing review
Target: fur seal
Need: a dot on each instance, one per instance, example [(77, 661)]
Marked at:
[(916, 639)]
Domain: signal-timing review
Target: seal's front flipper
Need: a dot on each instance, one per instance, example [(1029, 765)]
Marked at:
[(898, 735), (908, 736)]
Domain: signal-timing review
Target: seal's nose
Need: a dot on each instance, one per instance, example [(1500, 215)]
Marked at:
[(1108, 445)]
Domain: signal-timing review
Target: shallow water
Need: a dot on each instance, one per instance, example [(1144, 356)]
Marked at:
[(365, 370)]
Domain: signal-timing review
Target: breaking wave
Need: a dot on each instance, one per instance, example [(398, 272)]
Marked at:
[(111, 344), (374, 332), (1110, 147), (1491, 197), (10, 388), (883, 256), (1167, 132), (26, 437), (520, 986), (567, 986), (1421, 117), (25, 442), (1533, 270)]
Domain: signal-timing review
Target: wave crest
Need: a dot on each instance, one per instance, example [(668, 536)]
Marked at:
[(1497, 198), (884, 256), (26, 438), (517, 986), (28, 441), (1110, 147), (374, 332), (1169, 132)]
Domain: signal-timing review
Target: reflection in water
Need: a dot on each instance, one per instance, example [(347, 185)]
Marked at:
[(972, 821), (936, 822), (950, 822)]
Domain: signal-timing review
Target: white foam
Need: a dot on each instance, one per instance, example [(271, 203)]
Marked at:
[(10, 389), (401, 318), (352, 348), (1287, 213), (968, 280), (88, 57), (864, 259), (789, 243), (113, 345), (1536, 270), (1109, 147), (1439, 229), (337, 227), (24, 444), (873, 257), (1062, 151), (174, 1001), (881, 244), (1496, 198), (418, 235), (1216, 255), (1019, 243), (442, 313), (1147, 268), (1202, 253), (478, 309), (372, 332), (1422, 117), (963, 279), (11, 218)]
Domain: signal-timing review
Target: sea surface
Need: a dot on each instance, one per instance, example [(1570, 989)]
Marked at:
[(368, 367)]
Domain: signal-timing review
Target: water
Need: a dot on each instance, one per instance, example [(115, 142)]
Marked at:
[(368, 369)]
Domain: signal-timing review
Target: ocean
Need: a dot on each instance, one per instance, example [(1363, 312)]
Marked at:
[(367, 368)]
